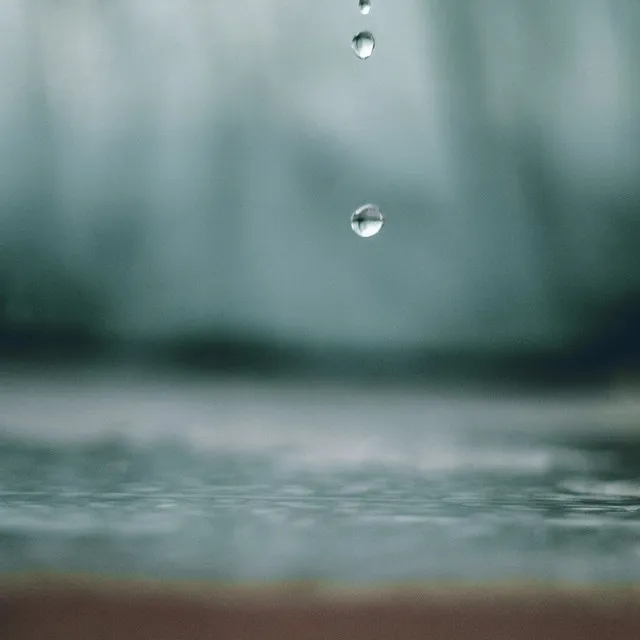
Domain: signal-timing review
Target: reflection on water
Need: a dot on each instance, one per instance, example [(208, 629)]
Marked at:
[(250, 481)]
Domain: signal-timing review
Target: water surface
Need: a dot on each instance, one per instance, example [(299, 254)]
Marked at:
[(248, 480)]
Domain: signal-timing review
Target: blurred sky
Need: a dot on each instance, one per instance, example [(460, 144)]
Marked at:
[(175, 167)]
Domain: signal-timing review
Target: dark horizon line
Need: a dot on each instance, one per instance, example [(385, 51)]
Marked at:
[(591, 363)]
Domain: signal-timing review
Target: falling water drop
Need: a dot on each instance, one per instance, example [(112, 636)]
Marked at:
[(363, 44), (365, 6), (367, 220)]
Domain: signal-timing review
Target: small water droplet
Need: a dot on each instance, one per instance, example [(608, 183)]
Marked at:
[(365, 6), (367, 220), (363, 44)]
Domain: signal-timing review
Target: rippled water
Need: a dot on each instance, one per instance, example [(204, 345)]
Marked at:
[(240, 481)]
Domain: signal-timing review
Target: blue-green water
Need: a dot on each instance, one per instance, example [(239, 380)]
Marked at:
[(249, 480)]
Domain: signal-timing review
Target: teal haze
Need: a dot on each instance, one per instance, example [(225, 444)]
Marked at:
[(178, 168)]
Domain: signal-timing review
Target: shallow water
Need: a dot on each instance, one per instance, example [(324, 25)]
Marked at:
[(251, 480)]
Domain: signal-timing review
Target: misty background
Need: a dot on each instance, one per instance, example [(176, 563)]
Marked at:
[(176, 180)]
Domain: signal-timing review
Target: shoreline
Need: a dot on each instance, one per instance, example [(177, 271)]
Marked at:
[(79, 607)]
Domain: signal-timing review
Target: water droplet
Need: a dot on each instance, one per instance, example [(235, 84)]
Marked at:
[(363, 44), (367, 220), (365, 6)]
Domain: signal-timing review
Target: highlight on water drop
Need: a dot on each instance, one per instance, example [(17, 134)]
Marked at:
[(367, 220), (364, 6), (363, 44)]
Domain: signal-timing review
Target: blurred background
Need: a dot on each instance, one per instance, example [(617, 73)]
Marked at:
[(176, 182), (180, 176)]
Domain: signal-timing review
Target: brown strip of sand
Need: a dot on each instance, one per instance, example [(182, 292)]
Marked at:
[(90, 610)]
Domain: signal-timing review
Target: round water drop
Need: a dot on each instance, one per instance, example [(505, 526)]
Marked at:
[(365, 6), (367, 220), (363, 44)]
